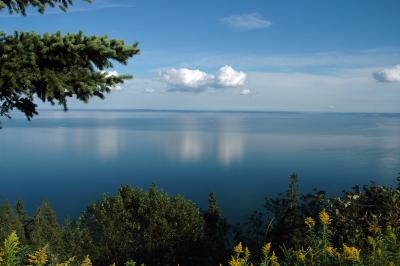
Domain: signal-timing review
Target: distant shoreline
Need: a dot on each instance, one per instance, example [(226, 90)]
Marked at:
[(213, 111)]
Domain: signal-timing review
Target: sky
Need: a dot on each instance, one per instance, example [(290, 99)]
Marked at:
[(264, 55)]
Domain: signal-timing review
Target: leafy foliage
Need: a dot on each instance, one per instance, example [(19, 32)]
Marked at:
[(360, 211), (137, 224)]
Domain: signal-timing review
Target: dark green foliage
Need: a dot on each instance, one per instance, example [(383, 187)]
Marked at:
[(157, 229), (358, 211), (283, 221), (216, 227), (9, 222), (252, 232), (55, 67), (150, 227), (288, 226), (20, 6), (44, 229)]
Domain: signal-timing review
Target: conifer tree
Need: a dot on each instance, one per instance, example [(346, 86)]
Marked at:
[(55, 67), (45, 229), (215, 230), (9, 222)]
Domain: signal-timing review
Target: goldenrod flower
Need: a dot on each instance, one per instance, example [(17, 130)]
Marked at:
[(374, 229), (67, 263), (86, 262), (235, 262), (266, 248), (310, 222), (40, 257), (247, 253), (274, 259), (301, 256), (351, 253), (324, 217), (238, 248), (329, 250)]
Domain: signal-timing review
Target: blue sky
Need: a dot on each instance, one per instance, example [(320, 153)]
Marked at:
[(305, 55)]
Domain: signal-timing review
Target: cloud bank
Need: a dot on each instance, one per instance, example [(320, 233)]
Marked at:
[(250, 21), (195, 80), (388, 74)]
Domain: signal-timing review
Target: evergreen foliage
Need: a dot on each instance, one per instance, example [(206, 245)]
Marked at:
[(55, 67), (20, 6), (9, 222), (45, 230), (216, 245)]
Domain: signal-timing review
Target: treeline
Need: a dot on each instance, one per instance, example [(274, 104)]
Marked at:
[(153, 228)]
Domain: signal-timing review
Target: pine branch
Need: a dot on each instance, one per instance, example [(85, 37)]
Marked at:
[(53, 67)]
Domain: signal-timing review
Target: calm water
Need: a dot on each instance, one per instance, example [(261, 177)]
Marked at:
[(73, 158)]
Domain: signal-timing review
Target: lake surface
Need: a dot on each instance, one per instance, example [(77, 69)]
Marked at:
[(73, 158)]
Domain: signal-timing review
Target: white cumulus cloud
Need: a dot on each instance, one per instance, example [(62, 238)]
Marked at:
[(229, 77), (195, 80), (246, 21), (186, 79), (388, 74)]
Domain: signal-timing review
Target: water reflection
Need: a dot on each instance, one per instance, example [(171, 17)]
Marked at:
[(223, 143), (191, 146), (230, 148), (107, 143)]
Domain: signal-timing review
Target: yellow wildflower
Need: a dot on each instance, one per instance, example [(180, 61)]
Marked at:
[(266, 248), (40, 257), (239, 248), (67, 263), (391, 264), (274, 259), (324, 217), (301, 256), (247, 253), (235, 262), (86, 261), (351, 253), (329, 250), (310, 222), (374, 229)]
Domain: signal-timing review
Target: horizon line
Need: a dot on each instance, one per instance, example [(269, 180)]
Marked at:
[(207, 111)]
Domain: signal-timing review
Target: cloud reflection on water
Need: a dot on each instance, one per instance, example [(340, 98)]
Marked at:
[(107, 143), (191, 146), (223, 142)]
